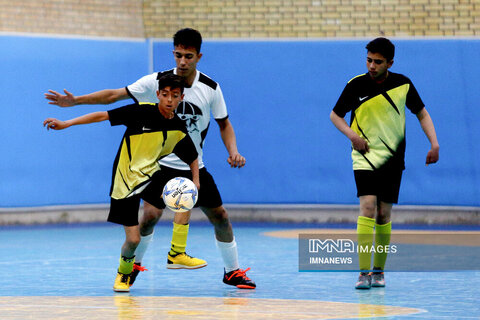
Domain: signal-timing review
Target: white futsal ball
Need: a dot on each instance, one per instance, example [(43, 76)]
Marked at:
[(180, 194)]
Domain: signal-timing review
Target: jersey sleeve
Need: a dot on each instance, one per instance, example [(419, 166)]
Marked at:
[(344, 103), (414, 103), (185, 150), (125, 115), (144, 89), (219, 108)]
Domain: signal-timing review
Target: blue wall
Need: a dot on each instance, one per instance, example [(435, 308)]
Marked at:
[(279, 96), (59, 167)]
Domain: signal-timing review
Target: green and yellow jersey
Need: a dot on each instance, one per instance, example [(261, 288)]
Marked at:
[(378, 116), (148, 137)]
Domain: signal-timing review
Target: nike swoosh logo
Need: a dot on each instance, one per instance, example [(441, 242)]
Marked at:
[(361, 99), (146, 129)]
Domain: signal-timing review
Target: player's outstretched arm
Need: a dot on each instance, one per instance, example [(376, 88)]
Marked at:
[(235, 159), (427, 126), (106, 96), (55, 124), (358, 142)]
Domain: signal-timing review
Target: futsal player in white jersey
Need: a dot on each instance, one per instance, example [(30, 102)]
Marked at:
[(203, 97)]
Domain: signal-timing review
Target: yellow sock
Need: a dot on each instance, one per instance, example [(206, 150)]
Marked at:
[(126, 265), (365, 240), (179, 238), (382, 240)]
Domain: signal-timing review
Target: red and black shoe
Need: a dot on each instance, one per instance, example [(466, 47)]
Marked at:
[(239, 279), (137, 268)]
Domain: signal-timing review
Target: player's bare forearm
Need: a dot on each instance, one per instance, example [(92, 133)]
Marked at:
[(235, 159), (55, 124), (358, 142), (342, 125), (429, 129), (106, 96), (195, 173)]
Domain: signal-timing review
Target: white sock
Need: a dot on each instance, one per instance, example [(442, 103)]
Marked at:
[(229, 253), (142, 247)]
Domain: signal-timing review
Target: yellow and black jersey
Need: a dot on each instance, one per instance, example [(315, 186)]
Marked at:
[(148, 138), (378, 116)]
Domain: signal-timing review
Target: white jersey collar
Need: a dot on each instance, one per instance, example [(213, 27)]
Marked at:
[(197, 76)]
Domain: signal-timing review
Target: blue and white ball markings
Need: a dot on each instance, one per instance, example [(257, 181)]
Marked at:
[(180, 194)]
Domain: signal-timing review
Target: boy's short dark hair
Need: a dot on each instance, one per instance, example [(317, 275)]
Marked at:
[(171, 80), (383, 46), (188, 38)]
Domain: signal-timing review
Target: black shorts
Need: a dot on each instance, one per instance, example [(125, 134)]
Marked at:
[(125, 211), (383, 183), (208, 195)]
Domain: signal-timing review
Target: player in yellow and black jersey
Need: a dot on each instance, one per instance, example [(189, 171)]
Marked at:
[(377, 103), (153, 132), (378, 116), (149, 137)]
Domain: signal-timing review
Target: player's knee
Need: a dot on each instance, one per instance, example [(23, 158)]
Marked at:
[(133, 241), (383, 217), (368, 209), (219, 216), (151, 213), (148, 222), (384, 213), (150, 217)]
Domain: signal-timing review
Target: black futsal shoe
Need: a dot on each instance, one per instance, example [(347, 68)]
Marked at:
[(239, 279)]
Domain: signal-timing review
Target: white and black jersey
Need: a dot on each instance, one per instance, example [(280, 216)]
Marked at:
[(201, 99)]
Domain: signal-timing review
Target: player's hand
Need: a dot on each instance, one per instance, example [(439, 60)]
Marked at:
[(432, 155), (54, 124), (236, 160), (360, 144), (67, 100)]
